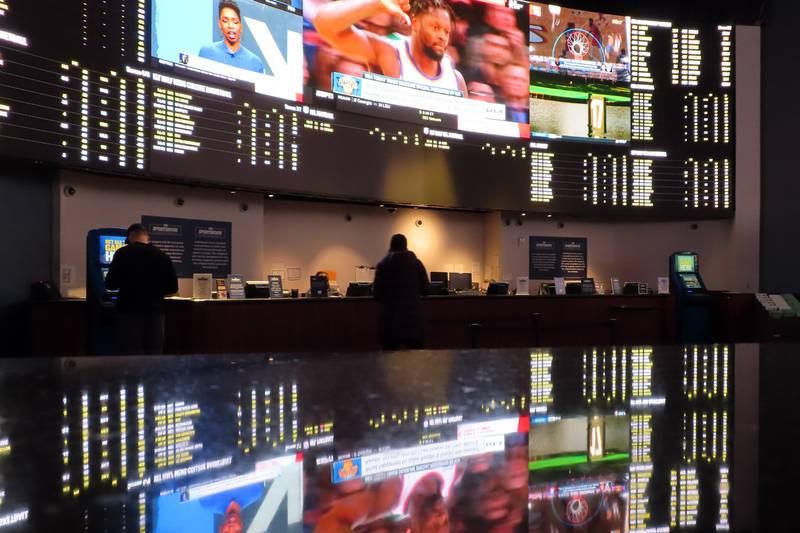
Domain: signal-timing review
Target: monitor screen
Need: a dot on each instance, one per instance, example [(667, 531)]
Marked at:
[(580, 74), (691, 281), (109, 244), (686, 263), (440, 277), (460, 282), (252, 45), (461, 66)]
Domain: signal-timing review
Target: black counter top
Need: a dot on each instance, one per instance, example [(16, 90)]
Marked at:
[(487, 440)]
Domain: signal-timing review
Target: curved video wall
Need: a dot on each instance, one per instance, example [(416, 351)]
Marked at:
[(484, 104)]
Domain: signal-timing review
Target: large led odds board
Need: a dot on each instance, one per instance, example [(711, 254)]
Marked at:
[(477, 104)]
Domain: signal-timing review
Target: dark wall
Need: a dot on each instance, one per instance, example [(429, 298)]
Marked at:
[(26, 246), (780, 195)]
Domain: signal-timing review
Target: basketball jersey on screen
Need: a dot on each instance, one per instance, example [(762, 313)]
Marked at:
[(409, 72)]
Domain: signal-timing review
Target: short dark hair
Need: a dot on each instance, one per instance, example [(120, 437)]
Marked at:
[(418, 7), (398, 243), (230, 4), (137, 228)]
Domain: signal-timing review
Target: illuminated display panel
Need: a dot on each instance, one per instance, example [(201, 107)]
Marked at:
[(465, 70), (678, 99), (580, 74), (630, 116), (686, 263)]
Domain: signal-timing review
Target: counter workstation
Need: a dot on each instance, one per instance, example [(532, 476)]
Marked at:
[(351, 324)]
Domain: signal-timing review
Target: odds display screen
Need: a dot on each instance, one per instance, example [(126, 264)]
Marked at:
[(483, 104)]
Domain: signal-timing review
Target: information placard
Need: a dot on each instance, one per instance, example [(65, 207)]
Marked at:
[(195, 246), (554, 257)]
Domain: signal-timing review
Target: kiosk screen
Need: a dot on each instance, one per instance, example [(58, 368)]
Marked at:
[(686, 263)]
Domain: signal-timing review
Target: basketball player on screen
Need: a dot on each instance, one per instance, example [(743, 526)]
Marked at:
[(420, 58)]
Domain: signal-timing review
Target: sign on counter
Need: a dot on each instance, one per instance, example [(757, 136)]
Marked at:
[(557, 257), (195, 246)]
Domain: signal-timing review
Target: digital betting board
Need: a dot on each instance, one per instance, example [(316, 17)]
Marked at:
[(478, 104)]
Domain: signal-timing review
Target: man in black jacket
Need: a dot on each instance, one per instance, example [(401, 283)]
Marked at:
[(143, 274), (400, 280)]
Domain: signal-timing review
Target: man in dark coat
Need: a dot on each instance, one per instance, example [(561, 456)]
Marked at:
[(143, 274), (400, 280)]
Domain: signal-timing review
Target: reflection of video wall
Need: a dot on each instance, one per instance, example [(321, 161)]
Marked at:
[(440, 103)]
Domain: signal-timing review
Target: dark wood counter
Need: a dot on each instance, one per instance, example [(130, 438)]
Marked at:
[(351, 324)]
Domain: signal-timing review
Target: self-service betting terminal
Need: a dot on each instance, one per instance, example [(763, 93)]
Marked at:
[(101, 244), (693, 303)]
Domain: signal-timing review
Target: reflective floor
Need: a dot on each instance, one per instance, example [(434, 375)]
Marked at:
[(587, 440)]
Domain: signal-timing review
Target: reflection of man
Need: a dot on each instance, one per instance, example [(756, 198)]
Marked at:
[(427, 507), (230, 50), (420, 58), (233, 519)]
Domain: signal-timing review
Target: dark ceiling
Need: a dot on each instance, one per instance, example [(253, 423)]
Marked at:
[(734, 11)]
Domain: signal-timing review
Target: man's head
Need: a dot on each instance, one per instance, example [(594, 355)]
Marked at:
[(431, 24), (399, 243), (230, 22), (138, 233)]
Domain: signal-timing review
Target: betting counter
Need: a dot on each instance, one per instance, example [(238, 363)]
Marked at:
[(351, 324)]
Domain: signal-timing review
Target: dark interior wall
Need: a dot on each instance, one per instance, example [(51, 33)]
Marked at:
[(26, 245), (780, 225)]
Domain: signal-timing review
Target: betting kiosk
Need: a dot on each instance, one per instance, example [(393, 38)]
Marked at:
[(101, 244), (693, 303)]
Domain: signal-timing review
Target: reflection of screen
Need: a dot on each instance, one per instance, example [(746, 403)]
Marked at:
[(595, 503), (109, 244), (685, 263), (268, 499), (573, 441), (580, 74), (260, 45), (463, 68), (475, 483), (691, 281)]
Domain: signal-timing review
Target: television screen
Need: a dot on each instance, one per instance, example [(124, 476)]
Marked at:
[(109, 244), (257, 44), (580, 74), (455, 64)]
